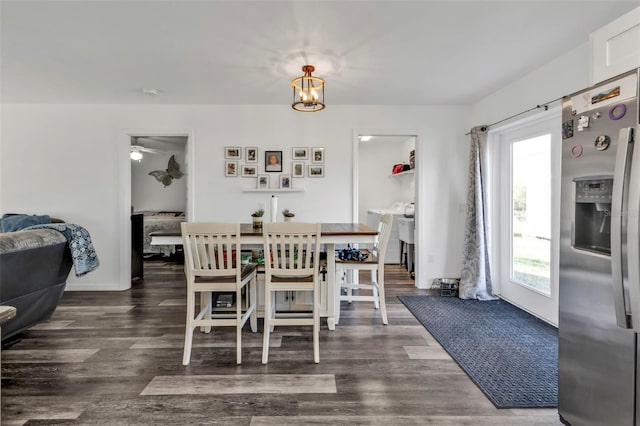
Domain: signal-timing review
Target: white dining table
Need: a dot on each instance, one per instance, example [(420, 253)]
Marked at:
[(331, 235)]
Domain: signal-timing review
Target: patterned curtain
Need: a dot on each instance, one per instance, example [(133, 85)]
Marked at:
[(475, 282)]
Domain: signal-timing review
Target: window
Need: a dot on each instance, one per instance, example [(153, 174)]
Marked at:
[(531, 213)]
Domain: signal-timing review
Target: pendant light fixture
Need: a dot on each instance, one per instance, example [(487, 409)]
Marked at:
[(308, 91)]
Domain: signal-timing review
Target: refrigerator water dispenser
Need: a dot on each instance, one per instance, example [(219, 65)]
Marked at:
[(592, 222)]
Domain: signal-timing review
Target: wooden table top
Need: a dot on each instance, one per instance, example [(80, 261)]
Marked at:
[(328, 229)]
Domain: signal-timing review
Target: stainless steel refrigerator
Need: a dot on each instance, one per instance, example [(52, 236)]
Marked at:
[(599, 293)]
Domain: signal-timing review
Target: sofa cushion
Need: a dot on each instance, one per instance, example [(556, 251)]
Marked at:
[(15, 222), (17, 241)]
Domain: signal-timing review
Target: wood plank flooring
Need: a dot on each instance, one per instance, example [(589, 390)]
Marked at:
[(115, 358)]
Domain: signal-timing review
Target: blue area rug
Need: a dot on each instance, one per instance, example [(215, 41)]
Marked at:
[(511, 355)]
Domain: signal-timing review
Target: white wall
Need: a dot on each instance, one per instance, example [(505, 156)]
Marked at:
[(564, 75), (149, 194), (49, 165)]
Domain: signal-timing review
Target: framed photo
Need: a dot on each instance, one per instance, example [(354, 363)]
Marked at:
[(315, 171), (251, 154), (297, 169), (231, 168), (285, 181), (263, 181), (249, 170), (232, 152), (273, 161), (317, 155), (299, 153)]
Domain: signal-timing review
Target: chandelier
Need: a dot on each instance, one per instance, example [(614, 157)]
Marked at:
[(308, 91)]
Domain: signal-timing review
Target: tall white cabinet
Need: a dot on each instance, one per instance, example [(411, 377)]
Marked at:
[(615, 48)]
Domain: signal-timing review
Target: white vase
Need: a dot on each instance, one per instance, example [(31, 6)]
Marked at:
[(288, 218)]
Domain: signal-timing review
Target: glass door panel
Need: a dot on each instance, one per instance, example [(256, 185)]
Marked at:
[(531, 213)]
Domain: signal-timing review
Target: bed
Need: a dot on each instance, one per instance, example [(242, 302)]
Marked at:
[(159, 221)]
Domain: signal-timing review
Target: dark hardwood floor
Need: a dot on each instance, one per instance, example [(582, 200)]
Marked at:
[(114, 358)]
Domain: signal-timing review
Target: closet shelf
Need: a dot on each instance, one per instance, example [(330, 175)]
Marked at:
[(408, 172)]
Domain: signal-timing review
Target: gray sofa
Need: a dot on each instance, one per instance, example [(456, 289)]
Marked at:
[(34, 265)]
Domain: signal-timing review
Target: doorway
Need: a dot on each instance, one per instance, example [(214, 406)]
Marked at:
[(157, 186), (378, 190), (158, 196), (527, 222)]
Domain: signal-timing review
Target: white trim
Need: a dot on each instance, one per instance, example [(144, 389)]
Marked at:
[(528, 311), (500, 172), (125, 191), (553, 109), (96, 287), (494, 135)]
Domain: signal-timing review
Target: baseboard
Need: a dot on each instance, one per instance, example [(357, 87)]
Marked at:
[(96, 287)]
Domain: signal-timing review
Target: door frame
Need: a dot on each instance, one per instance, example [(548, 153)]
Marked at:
[(420, 239), (496, 169), (125, 189)]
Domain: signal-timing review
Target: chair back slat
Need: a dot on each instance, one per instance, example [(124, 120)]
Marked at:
[(212, 248), (291, 248), (382, 239)]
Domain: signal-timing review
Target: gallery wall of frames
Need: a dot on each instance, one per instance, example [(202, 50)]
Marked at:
[(267, 166)]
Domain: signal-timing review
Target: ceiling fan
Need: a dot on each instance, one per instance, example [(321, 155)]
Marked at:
[(136, 151)]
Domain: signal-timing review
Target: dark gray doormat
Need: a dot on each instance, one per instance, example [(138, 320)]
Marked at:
[(511, 355)]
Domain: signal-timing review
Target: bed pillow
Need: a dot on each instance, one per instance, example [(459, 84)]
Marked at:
[(15, 222)]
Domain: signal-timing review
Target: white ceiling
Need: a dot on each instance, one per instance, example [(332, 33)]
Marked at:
[(241, 52)]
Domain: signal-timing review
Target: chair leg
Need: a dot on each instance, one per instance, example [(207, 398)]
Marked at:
[(338, 296), (348, 280), (273, 311), (381, 297), (188, 333), (374, 281), (316, 326), (238, 326), (206, 300), (267, 326), (253, 301)]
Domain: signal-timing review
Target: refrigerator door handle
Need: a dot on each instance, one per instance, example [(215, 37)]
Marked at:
[(621, 171), (633, 239)]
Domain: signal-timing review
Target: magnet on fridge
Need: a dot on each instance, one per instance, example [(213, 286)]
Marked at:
[(575, 150), (617, 111), (602, 142), (596, 115), (583, 122), (567, 129)]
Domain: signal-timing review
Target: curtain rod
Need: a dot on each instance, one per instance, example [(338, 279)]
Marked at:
[(544, 105)]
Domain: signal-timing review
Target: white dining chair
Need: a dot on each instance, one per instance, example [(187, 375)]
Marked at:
[(373, 263), (212, 263), (291, 259)]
